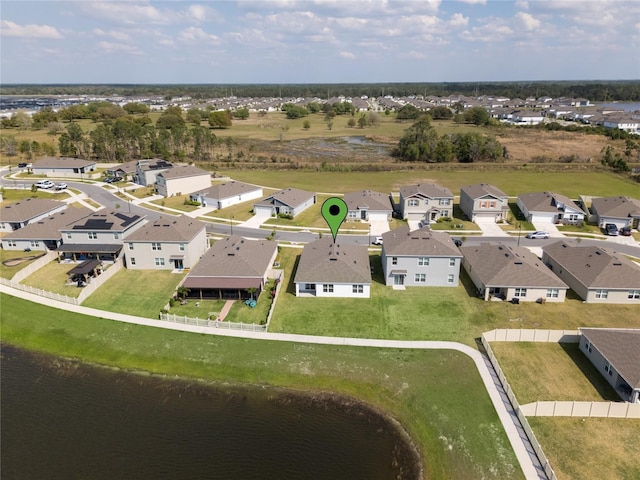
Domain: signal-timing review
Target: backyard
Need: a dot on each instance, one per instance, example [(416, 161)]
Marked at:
[(8, 271), (53, 278)]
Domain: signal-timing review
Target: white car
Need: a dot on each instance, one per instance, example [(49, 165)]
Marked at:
[(45, 184), (61, 186), (377, 241), (543, 235)]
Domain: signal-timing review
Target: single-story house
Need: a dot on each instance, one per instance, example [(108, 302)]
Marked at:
[(550, 207), (168, 243), (615, 352), (23, 212), (290, 201), (98, 235), (527, 117), (182, 180), (425, 202), (124, 171), (419, 258), (65, 167), (623, 122), (226, 194), (508, 273), (621, 211), (44, 233), (368, 206), (596, 274), (232, 268), (148, 169), (482, 200), (327, 269)]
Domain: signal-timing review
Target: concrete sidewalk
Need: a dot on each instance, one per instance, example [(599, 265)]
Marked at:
[(523, 450)]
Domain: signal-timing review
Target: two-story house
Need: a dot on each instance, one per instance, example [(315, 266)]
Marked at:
[(182, 180), (481, 200), (168, 243), (425, 202)]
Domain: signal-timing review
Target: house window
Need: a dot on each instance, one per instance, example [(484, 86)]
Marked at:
[(156, 246), (413, 202), (130, 246), (520, 292), (159, 262), (12, 243), (492, 204), (34, 243), (92, 235), (68, 236), (133, 261), (587, 346), (420, 278), (116, 236), (450, 278), (358, 289), (353, 214), (181, 247), (309, 286), (634, 294), (452, 262), (327, 288), (602, 293), (394, 260), (607, 368), (423, 261), (444, 213), (445, 201), (553, 292)]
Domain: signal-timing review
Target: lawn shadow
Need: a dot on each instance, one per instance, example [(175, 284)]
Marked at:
[(590, 372), (377, 274), (291, 286), (468, 284)]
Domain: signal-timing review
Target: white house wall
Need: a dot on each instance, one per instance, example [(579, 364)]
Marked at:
[(182, 186), (340, 290), (235, 199), (144, 254), (437, 272)]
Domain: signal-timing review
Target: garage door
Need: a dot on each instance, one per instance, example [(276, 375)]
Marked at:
[(377, 217), (262, 210), (542, 218)]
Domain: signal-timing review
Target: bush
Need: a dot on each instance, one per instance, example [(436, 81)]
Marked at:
[(286, 216)]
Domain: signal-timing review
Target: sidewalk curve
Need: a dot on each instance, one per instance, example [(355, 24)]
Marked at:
[(527, 458)]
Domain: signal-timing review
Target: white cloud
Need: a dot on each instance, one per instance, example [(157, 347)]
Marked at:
[(127, 13), (347, 55), (493, 31), (528, 21), (474, 2), (197, 34), (115, 47), (12, 29), (115, 34), (458, 20)]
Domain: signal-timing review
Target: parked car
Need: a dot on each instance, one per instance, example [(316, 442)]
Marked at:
[(457, 242), (611, 229), (61, 186), (45, 184), (625, 232), (22, 165), (537, 234), (111, 180), (377, 241)]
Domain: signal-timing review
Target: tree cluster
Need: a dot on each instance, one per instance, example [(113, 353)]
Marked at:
[(294, 111)]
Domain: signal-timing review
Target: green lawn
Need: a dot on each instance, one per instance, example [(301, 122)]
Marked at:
[(11, 195), (551, 371), (176, 202), (437, 396), (9, 271), (53, 278), (243, 313), (136, 292), (195, 308), (584, 228)]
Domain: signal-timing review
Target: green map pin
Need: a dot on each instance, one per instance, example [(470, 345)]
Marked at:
[(334, 211)]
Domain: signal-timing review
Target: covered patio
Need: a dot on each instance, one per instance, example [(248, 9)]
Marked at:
[(81, 274), (82, 252), (223, 288)]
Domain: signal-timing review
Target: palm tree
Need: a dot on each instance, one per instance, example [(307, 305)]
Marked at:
[(182, 292), (251, 291)]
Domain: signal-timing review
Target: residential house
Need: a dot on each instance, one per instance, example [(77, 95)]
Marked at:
[(44, 233), (425, 202), (596, 274), (168, 243), (527, 117), (232, 268), (368, 206), (615, 352), (290, 201), (99, 235), (64, 167), (420, 258), (482, 200), (148, 169), (549, 207), (226, 194), (124, 171), (327, 269), (23, 212), (622, 122), (621, 211), (511, 273), (182, 180)]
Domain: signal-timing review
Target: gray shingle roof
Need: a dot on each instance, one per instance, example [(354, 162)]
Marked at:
[(595, 267), (506, 266), (49, 228), (621, 207), (478, 190), (227, 189), (102, 220), (621, 347), (235, 257), (323, 262), (168, 229), (430, 190), (421, 242), (62, 162), (291, 197), (183, 172), (546, 202), (369, 200), (28, 208)]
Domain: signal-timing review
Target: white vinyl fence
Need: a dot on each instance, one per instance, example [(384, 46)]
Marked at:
[(98, 281), (582, 409), (532, 335), (200, 322), (39, 292), (23, 273)]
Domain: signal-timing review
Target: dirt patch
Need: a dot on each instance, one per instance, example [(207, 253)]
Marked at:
[(12, 262)]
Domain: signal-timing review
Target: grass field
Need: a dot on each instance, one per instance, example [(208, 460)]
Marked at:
[(590, 448), (436, 395), (176, 202), (11, 195)]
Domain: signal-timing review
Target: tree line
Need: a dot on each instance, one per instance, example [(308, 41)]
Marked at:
[(600, 91)]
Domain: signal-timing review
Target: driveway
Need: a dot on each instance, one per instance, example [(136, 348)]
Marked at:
[(378, 227), (258, 219), (549, 228), (490, 228)]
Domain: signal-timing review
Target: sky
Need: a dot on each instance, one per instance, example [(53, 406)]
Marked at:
[(318, 41)]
